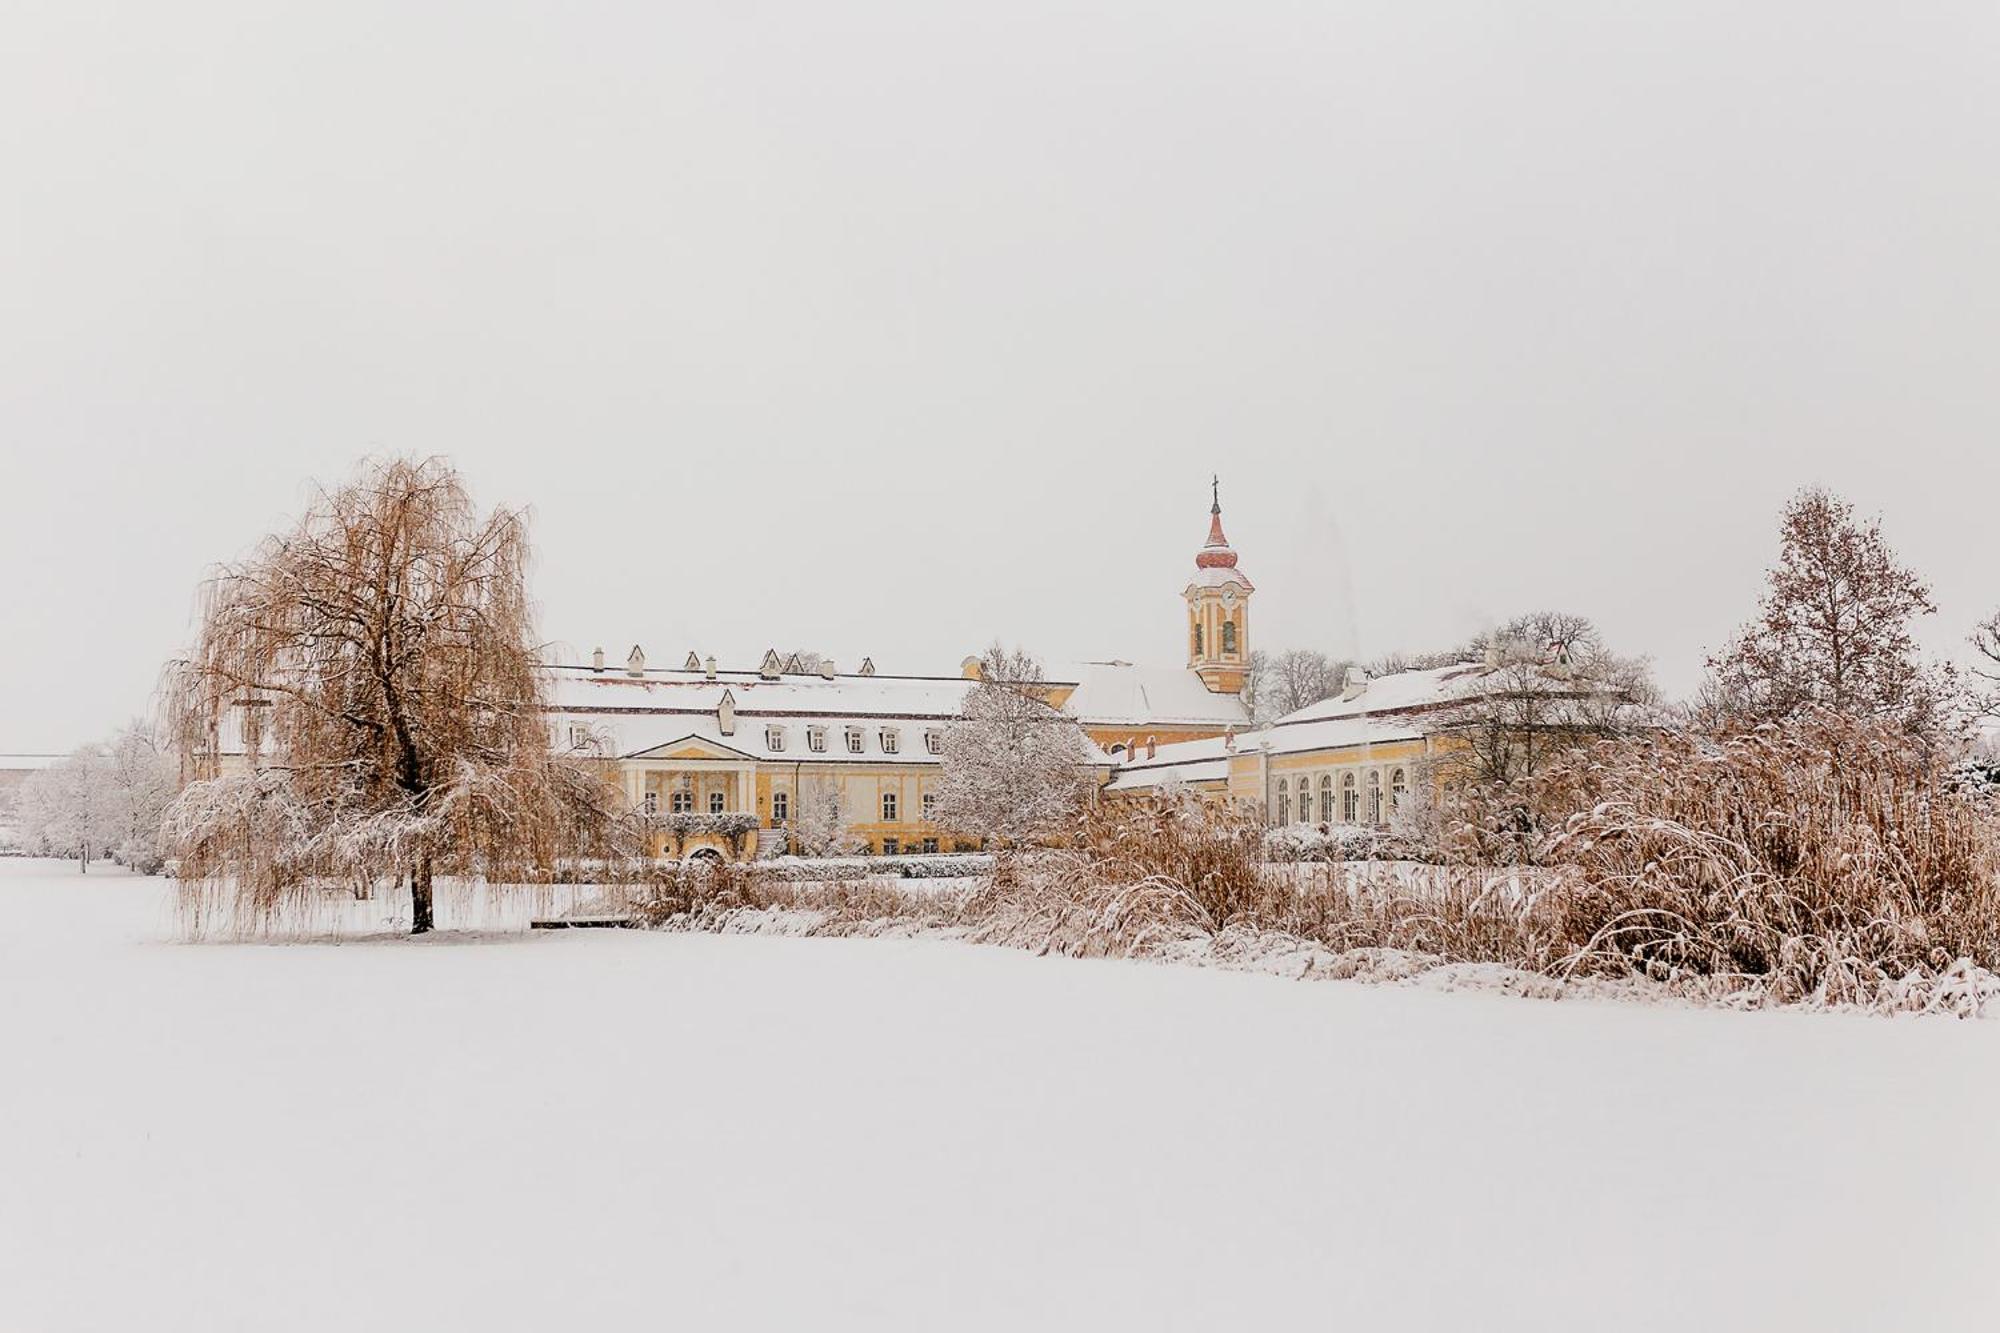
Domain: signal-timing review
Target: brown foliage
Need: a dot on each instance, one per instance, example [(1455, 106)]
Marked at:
[(380, 663), (1829, 855), (1833, 631)]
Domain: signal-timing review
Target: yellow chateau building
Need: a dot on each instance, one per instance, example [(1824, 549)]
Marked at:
[(696, 739), (759, 744)]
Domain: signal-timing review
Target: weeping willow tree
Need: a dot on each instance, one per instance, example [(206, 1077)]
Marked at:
[(376, 667)]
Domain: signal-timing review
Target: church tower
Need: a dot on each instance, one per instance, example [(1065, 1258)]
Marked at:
[(1218, 609)]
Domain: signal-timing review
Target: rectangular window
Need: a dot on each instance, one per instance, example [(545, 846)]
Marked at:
[(579, 737), (892, 740), (930, 804), (774, 738), (816, 739), (651, 803), (930, 845), (888, 807), (890, 846), (681, 802), (934, 741), (715, 803), (854, 740), (781, 806)]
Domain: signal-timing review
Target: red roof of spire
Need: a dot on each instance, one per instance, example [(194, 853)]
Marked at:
[(1216, 554)]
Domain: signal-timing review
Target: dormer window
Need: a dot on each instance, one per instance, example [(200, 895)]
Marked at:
[(892, 740), (854, 740), (816, 739), (934, 741), (774, 738)]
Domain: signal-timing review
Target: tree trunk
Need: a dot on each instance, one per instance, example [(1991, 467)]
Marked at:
[(420, 895)]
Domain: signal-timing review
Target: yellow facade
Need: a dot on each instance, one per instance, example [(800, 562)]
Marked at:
[(740, 754)]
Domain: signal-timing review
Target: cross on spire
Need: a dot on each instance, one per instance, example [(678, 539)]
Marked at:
[(1215, 493)]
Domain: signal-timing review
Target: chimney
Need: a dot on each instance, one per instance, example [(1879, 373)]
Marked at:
[(1152, 746), (1357, 684), (597, 660), (708, 668), (1493, 650), (1229, 740), (826, 666), (635, 662)]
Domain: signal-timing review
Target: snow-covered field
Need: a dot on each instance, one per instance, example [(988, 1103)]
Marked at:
[(609, 1130)]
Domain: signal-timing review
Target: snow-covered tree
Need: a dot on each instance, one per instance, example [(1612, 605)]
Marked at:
[(381, 660), (1277, 684), (62, 808), (1014, 765), (1833, 631), (1541, 684), (1986, 642), (136, 782), (820, 828), (102, 800)]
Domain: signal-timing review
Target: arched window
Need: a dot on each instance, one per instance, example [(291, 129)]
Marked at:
[(1305, 800), (1228, 636), (1284, 804), (1326, 798), (1197, 638), (1375, 797), (1350, 799), (1399, 787)]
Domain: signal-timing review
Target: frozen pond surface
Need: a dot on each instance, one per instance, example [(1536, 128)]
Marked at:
[(617, 1129)]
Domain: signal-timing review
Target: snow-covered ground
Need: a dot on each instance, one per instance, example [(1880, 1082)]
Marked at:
[(609, 1130)]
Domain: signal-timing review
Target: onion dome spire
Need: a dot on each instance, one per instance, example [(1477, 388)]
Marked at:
[(1216, 553)]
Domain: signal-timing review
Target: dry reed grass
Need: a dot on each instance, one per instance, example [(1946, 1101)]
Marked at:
[(1824, 864)]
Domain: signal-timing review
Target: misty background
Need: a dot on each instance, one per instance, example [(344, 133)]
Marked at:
[(886, 329)]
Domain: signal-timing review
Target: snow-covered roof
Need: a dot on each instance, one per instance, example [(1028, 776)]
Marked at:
[(1216, 576), (1384, 712), (582, 689), (662, 708), (26, 763), (1184, 761), (1401, 692), (1111, 693)]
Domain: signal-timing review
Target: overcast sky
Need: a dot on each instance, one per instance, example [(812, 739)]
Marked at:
[(890, 328)]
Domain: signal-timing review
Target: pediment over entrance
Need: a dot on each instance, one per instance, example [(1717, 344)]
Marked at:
[(692, 747)]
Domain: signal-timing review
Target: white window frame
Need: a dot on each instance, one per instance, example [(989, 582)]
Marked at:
[(774, 739), (650, 803), (856, 739), (717, 803), (781, 807), (891, 740), (928, 804), (889, 807), (816, 739), (934, 741)]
